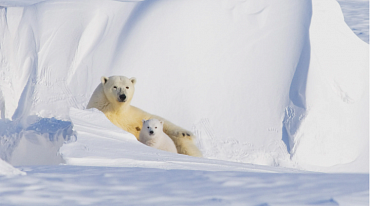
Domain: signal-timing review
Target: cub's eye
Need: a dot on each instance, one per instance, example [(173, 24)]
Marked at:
[(148, 127), (156, 127), (127, 87), (114, 87)]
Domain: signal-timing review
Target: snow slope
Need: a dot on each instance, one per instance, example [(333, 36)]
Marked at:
[(131, 173), (230, 82), (258, 82), (102, 143), (8, 170), (272, 90), (335, 129)]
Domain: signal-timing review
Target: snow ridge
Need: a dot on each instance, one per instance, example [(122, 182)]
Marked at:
[(263, 83)]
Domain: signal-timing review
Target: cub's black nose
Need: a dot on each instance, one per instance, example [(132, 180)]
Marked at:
[(122, 97), (151, 132)]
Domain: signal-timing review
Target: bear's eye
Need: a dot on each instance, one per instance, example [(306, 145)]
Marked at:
[(148, 127), (156, 127), (114, 87), (127, 87)]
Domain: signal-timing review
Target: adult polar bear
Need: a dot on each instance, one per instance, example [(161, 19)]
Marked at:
[(113, 97)]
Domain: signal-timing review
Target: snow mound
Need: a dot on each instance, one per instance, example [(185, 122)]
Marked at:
[(8, 170), (270, 83), (35, 141), (335, 127), (101, 143)]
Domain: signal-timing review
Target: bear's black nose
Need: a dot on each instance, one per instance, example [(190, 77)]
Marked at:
[(122, 97), (151, 132)]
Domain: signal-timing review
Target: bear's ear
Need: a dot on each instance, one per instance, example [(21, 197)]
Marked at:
[(133, 80), (104, 80), (143, 121), (161, 122)]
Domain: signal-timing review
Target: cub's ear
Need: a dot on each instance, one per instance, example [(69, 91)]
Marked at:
[(143, 121), (133, 80), (104, 80)]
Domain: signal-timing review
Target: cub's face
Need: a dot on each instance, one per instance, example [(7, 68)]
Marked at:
[(118, 89), (152, 126)]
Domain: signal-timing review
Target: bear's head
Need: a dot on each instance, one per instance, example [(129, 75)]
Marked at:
[(152, 126), (118, 89)]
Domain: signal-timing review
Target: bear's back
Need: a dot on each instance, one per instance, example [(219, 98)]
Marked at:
[(159, 141), (166, 143), (98, 99)]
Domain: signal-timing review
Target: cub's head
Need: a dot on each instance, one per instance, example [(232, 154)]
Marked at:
[(152, 126), (118, 88)]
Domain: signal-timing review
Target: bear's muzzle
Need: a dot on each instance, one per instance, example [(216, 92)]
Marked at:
[(122, 98)]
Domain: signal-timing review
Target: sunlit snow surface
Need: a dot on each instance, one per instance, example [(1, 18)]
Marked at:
[(299, 102)]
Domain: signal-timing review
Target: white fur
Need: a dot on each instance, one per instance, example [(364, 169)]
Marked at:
[(158, 139), (106, 98)]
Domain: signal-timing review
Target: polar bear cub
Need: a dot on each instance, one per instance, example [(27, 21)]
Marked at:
[(152, 135)]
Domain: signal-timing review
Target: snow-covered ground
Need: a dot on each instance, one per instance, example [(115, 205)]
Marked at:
[(274, 91), (77, 185), (130, 173), (356, 15)]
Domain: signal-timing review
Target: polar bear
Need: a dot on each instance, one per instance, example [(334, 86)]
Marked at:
[(113, 97), (152, 135)]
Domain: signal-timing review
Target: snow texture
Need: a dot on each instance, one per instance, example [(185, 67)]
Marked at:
[(356, 15), (247, 101), (134, 174), (121, 186), (271, 89), (8, 170)]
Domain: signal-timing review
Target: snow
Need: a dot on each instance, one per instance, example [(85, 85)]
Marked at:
[(120, 185), (336, 97), (274, 91), (121, 149), (8, 170), (356, 15)]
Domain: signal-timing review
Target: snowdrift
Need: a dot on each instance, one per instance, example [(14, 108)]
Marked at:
[(271, 83), (8, 170)]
